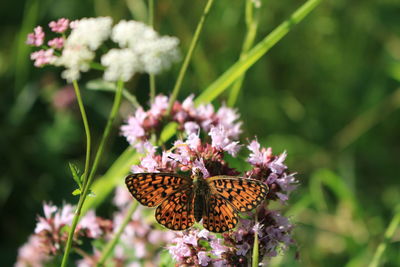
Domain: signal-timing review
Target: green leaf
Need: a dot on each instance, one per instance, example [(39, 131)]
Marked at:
[(76, 192), (75, 174), (253, 55)]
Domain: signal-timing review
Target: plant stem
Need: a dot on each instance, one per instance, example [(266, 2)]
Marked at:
[(387, 237), (254, 261), (108, 249), (188, 56), (254, 54), (99, 153), (87, 131), (251, 25), (152, 76)]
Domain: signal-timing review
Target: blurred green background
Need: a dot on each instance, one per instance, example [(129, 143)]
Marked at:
[(328, 94)]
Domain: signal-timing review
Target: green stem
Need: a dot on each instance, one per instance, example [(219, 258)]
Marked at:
[(254, 54), (251, 25), (188, 56), (109, 248), (254, 261), (87, 131), (152, 76), (99, 154), (387, 237)]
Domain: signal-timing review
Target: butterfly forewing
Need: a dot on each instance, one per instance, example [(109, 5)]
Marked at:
[(177, 211), (219, 215), (242, 193), (150, 189)]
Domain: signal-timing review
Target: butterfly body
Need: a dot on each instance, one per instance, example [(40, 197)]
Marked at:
[(201, 189), (182, 200)]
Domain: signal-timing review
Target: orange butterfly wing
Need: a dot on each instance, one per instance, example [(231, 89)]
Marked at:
[(242, 193), (177, 211), (150, 189), (219, 215)]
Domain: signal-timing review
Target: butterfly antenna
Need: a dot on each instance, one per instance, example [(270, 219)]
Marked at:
[(180, 163)]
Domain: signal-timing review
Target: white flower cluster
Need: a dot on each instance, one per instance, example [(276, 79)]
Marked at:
[(141, 49), (144, 49), (86, 36)]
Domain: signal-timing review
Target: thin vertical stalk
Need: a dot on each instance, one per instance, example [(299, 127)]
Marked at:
[(251, 25), (87, 131), (108, 249), (99, 154), (254, 260), (152, 76), (189, 54), (387, 237)]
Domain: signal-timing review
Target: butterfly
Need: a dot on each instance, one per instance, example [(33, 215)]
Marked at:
[(181, 200)]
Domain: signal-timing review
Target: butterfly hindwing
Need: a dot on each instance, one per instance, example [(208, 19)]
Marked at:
[(219, 216), (177, 211), (242, 193), (150, 189)]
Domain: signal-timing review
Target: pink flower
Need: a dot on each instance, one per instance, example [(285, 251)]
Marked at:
[(43, 57), (204, 234), (179, 251), (31, 253), (134, 130), (217, 247), (89, 223), (60, 25), (203, 258), (220, 140), (191, 127), (228, 117), (277, 165), (159, 105), (56, 43), (257, 156), (64, 216), (36, 38)]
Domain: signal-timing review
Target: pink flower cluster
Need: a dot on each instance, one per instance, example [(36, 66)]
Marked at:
[(204, 150), (37, 38), (221, 125), (50, 235)]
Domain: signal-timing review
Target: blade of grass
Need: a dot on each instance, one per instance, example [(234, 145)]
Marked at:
[(237, 69), (189, 54), (393, 225), (251, 26)]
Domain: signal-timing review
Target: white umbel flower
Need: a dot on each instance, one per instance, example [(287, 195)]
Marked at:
[(159, 54), (91, 32), (156, 53), (131, 33), (121, 64), (75, 58)]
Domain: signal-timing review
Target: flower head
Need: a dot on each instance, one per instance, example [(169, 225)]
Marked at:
[(60, 25), (37, 37), (90, 32)]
